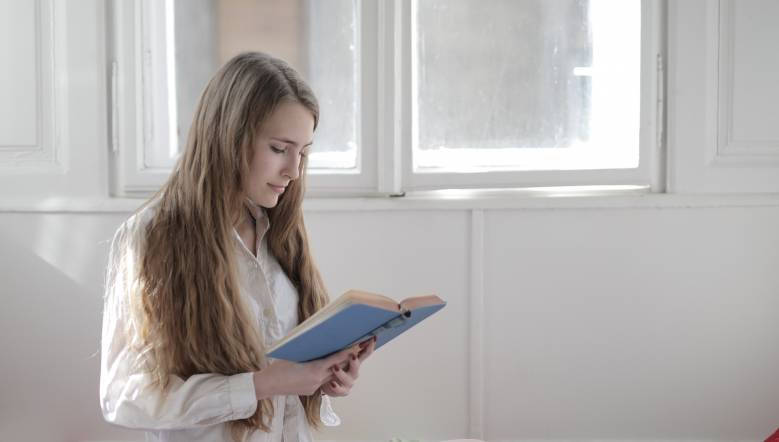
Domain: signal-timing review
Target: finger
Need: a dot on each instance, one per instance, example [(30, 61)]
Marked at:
[(337, 358), (327, 389), (368, 350), (363, 346), (344, 378), (355, 349), (338, 389), (354, 366)]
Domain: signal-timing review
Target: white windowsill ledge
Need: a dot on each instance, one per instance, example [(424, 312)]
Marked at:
[(504, 199)]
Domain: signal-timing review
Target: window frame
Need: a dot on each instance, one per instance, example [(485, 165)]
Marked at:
[(385, 119), (363, 181), (135, 70), (650, 171)]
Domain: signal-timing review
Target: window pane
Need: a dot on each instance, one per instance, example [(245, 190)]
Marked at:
[(554, 84), (318, 39)]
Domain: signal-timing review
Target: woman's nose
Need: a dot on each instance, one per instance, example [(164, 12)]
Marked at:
[(292, 167)]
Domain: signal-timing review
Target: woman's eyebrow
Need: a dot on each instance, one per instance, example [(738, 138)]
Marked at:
[(284, 140)]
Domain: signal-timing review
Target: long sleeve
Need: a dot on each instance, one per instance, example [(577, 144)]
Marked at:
[(326, 413), (128, 396), (295, 425)]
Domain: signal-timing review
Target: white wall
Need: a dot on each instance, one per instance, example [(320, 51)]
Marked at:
[(622, 323), (635, 317)]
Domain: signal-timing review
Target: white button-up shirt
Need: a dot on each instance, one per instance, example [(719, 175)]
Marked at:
[(198, 408)]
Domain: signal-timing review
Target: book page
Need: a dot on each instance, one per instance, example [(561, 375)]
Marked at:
[(416, 302)]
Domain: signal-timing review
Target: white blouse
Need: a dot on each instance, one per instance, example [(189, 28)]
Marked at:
[(197, 409)]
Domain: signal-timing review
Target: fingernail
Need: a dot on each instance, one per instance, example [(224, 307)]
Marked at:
[(332, 384)]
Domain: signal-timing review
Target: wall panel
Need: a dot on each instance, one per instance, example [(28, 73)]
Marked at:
[(636, 324), (26, 92), (417, 387), (722, 118)]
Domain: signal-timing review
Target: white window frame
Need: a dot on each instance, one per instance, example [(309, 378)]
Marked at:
[(650, 171), (363, 181), (139, 73)]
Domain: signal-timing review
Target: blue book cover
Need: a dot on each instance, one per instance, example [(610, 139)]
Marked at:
[(354, 317)]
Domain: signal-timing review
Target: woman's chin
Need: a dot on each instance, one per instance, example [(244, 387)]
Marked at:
[(270, 202)]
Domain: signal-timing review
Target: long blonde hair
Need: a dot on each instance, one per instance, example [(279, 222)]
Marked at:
[(190, 314)]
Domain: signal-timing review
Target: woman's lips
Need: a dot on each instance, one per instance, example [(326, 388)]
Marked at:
[(277, 189)]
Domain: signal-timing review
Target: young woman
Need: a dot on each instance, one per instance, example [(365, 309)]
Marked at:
[(215, 268)]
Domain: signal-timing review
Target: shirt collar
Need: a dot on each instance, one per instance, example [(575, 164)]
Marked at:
[(260, 217)]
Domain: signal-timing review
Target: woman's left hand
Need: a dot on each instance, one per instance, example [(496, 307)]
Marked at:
[(343, 379)]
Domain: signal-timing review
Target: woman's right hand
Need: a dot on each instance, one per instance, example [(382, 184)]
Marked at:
[(292, 378)]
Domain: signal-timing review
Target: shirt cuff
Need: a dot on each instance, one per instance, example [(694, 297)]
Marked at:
[(326, 413), (243, 398)]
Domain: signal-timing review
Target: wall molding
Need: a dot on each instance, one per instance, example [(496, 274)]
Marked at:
[(476, 390), (727, 149), (45, 154)]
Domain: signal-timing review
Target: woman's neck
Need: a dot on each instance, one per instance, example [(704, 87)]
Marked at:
[(247, 231)]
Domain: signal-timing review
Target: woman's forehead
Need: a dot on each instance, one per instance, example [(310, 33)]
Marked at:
[(291, 122)]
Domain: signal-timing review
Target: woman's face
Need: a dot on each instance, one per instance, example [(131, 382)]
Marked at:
[(278, 149)]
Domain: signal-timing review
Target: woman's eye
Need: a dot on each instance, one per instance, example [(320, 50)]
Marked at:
[(277, 150)]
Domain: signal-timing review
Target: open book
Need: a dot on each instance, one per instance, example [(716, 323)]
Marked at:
[(352, 318)]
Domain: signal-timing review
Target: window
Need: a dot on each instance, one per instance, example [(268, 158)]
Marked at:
[(536, 95), (414, 93), (319, 39), (554, 94)]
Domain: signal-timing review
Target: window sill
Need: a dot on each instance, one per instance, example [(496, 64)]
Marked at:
[(494, 199)]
